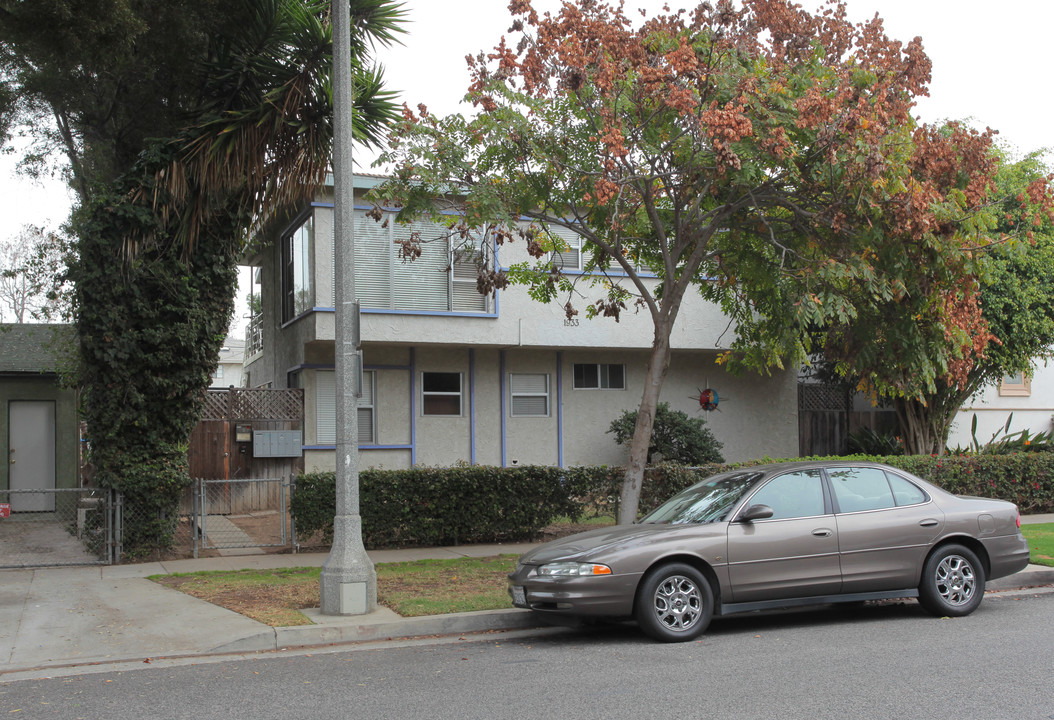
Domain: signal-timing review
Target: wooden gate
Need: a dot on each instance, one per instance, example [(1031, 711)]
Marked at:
[(221, 444), (823, 419)]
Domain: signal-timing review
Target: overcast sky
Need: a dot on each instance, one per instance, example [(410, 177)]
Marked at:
[(989, 64)]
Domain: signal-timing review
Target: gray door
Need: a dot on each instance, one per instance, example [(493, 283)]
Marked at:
[(886, 525), (31, 454), (792, 554)]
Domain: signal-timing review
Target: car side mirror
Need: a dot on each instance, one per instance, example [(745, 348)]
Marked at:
[(755, 512)]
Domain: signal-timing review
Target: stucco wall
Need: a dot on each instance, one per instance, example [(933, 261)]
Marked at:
[(993, 410), (757, 416)]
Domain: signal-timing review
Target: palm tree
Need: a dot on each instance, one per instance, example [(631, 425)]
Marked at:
[(263, 133), (158, 244)]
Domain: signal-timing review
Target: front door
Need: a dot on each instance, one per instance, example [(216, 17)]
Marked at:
[(31, 454), (792, 554)]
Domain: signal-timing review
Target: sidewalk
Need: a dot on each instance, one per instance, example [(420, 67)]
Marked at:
[(60, 617), (56, 617)]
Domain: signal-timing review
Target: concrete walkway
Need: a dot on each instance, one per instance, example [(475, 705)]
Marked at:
[(57, 618)]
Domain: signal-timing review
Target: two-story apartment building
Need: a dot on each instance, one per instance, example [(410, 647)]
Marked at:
[(452, 376)]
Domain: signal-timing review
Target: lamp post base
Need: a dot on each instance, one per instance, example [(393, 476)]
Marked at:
[(348, 584)]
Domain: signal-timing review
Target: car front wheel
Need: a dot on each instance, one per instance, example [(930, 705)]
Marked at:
[(952, 582), (675, 603)]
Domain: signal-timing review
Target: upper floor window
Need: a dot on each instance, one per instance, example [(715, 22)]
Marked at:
[(442, 278), (297, 251), (441, 393), (1016, 385), (596, 376), (568, 257)]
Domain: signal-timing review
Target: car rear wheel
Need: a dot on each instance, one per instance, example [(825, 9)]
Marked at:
[(952, 582), (675, 603)]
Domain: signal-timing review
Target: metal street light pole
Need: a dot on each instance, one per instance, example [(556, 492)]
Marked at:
[(348, 582)]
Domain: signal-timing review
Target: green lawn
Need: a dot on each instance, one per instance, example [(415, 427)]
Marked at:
[(1041, 542)]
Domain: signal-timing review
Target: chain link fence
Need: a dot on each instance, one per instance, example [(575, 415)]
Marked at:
[(85, 526), (58, 526), (241, 513)]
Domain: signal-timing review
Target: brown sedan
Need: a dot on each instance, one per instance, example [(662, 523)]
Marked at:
[(778, 536)]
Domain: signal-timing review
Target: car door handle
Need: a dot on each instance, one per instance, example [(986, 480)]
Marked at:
[(822, 532), (928, 522)]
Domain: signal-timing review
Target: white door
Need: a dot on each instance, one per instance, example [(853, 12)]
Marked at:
[(31, 454)]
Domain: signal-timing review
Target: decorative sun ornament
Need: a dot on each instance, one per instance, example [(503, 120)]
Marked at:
[(708, 399)]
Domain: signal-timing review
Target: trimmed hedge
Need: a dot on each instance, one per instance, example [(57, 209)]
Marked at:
[(1025, 479), (426, 506)]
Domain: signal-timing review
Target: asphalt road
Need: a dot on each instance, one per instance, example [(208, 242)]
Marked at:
[(888, 661)]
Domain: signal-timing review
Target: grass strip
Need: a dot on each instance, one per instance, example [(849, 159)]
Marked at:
[(424, 587), (1040, 542)]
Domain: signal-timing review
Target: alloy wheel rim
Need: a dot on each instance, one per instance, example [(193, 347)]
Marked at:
[(955, 580), (678, 603)]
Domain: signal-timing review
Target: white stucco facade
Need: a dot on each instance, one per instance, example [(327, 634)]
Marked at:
[(1029, 400), (509, 341)]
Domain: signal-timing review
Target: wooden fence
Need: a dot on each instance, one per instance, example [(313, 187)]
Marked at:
[(218, 450)]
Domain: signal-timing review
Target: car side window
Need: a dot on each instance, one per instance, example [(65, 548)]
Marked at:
[(858, 489), (796, 494), (906, 492)]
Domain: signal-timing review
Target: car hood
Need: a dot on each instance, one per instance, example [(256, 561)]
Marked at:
[(593, 542)]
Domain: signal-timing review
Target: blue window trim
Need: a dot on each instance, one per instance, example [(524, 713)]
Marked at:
[(504, 422), (559, 408), (361, 447), (413, 406), (472, 406), (382, 311), (503, 406)]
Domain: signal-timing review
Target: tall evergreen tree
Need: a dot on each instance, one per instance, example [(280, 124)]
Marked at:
[(181, 123)]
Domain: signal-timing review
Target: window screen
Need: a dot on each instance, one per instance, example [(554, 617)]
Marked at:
[(326, 409), (530, 394)]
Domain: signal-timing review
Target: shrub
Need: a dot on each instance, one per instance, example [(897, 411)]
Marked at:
[(1025, 479), (866, 441), (473, 504), (447, 506), (676, 436)]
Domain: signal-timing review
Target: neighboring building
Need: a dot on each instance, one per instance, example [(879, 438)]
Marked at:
[(229, 369), (38, 417), (1029, 400), (451, 376)]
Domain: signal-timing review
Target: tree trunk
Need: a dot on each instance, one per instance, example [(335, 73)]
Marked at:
[(658, 364), (924, 427)]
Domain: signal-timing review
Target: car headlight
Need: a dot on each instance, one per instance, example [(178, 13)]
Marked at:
[(573, 569)]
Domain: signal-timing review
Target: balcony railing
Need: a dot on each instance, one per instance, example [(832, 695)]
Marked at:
[(254, 336)]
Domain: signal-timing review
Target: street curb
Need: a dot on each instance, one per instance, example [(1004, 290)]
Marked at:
[(1033, 576), (352, 630), (355, 629)]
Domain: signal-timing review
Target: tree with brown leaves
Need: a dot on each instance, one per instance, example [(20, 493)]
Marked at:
[(757, 153)]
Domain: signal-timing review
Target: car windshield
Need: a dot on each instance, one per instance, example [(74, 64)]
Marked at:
[(705, 502)]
